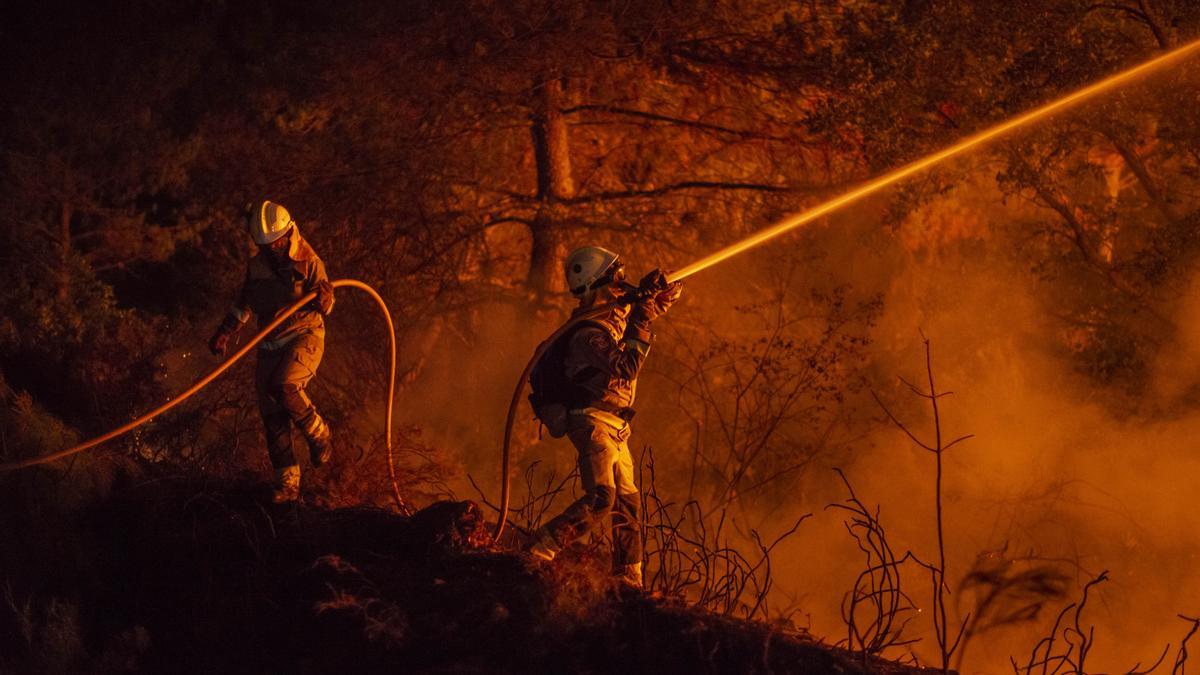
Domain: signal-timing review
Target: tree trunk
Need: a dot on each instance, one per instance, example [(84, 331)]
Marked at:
[(554, 183), (65, 212)]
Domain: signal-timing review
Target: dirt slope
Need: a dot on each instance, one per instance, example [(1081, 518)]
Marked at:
[(172, 575)]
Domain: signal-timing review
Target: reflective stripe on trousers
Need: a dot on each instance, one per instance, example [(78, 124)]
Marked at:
[(603, 416), (280, 378)]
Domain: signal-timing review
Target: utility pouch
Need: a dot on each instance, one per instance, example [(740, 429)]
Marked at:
[(553, 416)]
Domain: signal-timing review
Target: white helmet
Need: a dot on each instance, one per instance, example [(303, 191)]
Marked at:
[(268, 222), (585, 266)]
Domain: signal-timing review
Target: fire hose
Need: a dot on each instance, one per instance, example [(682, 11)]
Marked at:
[(216, 372), (828, 206)]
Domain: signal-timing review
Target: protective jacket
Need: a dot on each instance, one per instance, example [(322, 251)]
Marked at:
[(603, 361), (272, 285)]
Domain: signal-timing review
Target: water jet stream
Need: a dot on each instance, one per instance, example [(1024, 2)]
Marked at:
[(896, 175), (792, 222)]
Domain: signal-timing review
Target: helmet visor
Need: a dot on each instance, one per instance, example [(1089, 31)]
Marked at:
[(615, 272)]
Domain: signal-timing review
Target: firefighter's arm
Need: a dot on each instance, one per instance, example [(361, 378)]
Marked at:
[(317, 280), (600, 351), (232, 323), (657, 296)]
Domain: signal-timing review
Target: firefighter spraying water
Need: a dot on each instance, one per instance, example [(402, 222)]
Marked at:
[(584, 387), (788, 224)]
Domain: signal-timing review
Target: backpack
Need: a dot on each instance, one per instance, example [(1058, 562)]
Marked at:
[(552, 393)]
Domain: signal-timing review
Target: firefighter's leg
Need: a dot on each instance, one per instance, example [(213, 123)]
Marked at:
[(299, 365), (597, 455), (627, 526), (278, 427)]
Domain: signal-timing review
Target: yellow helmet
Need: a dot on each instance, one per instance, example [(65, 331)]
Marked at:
[(268, 222)]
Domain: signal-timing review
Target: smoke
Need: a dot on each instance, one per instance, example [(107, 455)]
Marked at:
[(1059, 468), (1176, 372)]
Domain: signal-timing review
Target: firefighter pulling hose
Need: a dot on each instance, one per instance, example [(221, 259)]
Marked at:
[(284, 268), (795, 221), (237, 356), (287, 287)]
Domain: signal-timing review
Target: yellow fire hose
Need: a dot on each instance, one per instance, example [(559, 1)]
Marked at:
[(870, 187), (204, 381)]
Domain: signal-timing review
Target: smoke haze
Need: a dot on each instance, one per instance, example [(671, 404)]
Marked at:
[(1059, 469)]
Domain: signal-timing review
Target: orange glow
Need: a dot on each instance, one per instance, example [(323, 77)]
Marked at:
[(907, 170)]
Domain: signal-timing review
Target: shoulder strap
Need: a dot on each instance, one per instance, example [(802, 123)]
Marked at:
[(557, 349)]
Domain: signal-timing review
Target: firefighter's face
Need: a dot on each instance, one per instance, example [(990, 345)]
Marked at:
[(279, 247), (598, 296), (609, 289), (605, 290)]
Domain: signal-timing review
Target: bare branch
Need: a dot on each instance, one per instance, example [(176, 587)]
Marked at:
[(688, 185), (898, 423), (656, 117)]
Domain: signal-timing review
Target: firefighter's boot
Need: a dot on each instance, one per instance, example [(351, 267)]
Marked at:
[(319, 438), (630, 576), (544, 547), (287, 485)]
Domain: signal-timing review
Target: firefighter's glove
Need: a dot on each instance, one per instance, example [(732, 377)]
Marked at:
[(668, 296), (323, 303), (219, 342), (655, 302), (653, 283), (649, 307)]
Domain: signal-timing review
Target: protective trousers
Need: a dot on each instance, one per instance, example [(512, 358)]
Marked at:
[(606, 471), (280, 378)]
